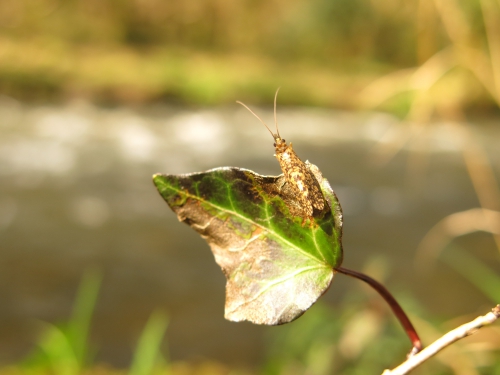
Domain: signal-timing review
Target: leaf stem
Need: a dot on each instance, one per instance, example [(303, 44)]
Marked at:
[(396, 308)]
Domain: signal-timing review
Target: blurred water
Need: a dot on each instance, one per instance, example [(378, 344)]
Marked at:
[(76, 192)]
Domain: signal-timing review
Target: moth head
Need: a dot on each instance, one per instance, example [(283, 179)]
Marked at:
[(279, 142)]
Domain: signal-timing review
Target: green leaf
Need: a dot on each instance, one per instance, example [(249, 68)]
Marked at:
[(276, 265)]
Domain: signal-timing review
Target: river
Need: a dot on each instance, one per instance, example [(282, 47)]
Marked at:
[(76, 193)]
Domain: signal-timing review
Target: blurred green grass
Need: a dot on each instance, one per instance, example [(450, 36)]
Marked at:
[(121, 74), (210, 52), (358, 336)]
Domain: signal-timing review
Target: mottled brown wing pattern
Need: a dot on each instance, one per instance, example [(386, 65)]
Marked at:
[(301, 180), (315, 194)]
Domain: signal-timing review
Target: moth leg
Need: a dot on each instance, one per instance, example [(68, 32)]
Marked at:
[(304, 220), (312, 222)]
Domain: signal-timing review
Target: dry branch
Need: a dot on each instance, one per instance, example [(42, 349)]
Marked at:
[(441, 343)]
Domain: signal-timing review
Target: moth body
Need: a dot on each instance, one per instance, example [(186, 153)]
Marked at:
[(302, 184)]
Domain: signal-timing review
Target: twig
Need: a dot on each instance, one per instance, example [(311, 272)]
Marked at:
[(441, 343)]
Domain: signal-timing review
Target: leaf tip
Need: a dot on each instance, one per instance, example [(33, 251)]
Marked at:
[(157, 178)]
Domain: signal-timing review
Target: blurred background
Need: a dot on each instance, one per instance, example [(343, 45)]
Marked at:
[(397, 102)]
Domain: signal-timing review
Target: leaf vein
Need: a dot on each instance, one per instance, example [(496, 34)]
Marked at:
[(279, 281), (283, 239)]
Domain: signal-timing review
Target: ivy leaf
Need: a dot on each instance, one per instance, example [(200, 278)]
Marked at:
[(276, 265)]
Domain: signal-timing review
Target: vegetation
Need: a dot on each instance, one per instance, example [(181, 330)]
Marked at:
[(421, 59), (323, 341), (211, 52), (65, 349)]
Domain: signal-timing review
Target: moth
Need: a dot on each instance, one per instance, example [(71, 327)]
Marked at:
[(300, 182)]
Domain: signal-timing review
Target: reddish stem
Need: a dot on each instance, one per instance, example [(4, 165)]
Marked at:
[(396, 308)]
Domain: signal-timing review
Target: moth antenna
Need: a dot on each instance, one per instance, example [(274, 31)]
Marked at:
[(275, 119), (253, 113)]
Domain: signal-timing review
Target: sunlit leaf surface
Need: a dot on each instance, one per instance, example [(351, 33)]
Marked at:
[(276, 265)]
